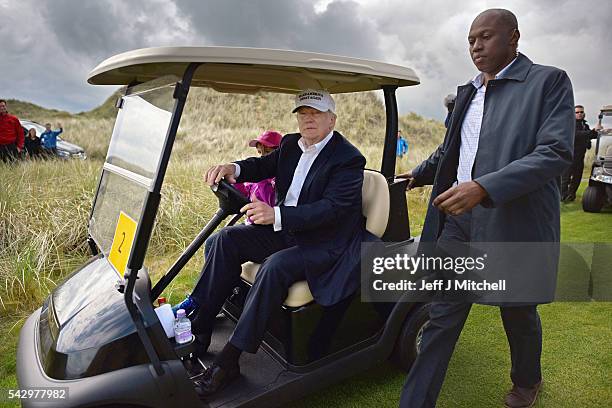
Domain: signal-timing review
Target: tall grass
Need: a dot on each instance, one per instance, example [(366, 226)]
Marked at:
[(43, 212), (45, 205)]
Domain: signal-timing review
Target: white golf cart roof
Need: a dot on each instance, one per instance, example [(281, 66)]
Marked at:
[(251, 70)]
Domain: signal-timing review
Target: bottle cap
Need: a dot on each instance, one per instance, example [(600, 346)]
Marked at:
[(180, 313), (161, 300)]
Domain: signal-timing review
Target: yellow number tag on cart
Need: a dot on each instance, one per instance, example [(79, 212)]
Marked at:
[(122, 242)]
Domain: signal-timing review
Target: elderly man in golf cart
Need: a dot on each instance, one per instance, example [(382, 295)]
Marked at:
[(314, 232)]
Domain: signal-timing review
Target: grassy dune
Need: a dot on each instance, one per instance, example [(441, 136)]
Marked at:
[(27, 110)]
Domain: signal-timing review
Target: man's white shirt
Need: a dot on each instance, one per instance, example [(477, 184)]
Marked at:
[(309, 155), (470, 128)]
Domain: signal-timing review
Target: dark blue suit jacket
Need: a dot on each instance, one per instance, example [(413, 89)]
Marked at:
[(327, 223)]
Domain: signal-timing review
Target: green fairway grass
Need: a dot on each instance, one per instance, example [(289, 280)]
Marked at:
[(580, 226), (576, 360), (576, 364)]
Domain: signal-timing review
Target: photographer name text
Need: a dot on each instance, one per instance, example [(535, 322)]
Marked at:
[(440, 284)]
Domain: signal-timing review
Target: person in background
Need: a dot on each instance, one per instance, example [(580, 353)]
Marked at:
[(402, 145), (11, 135), (33, 146), (265, 144), (449, 104), (582, 142), (49, 139)]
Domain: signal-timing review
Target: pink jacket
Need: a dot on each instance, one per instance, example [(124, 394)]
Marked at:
[(263, 191)]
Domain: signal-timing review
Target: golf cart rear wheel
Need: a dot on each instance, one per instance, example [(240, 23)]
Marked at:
[(408, 343), (593, 199)]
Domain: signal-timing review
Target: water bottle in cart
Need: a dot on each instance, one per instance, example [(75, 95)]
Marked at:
[(182, 328)]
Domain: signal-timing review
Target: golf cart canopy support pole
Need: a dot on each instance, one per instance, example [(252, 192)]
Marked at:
[(188, 253), (389, 152), (145, 226)]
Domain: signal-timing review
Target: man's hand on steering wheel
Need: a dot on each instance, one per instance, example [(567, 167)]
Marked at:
[(219, 172), (259, 212)]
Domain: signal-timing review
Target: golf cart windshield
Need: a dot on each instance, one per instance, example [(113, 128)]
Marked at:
[(606, 122), (131, 167)]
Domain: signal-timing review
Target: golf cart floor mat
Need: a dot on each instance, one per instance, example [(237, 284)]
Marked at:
[(260, 374)]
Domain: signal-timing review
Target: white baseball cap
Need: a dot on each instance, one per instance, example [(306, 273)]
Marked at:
[(315, 98)]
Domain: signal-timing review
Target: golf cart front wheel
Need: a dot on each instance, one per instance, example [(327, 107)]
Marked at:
[(408, 343), (593, 199)]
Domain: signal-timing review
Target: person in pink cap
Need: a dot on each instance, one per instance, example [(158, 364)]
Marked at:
[(264, 191), (265, 144)]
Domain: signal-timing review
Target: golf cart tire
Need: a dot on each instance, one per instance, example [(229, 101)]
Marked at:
[(593, 199), (406, 347)]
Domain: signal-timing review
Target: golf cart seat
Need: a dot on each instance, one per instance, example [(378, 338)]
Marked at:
[(375, 207)]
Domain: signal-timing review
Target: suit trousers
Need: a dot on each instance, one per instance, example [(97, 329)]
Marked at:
[(570, 181), (225, 252), (521, 323)]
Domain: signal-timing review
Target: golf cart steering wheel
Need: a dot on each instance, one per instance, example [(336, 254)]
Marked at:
[(230, 199)]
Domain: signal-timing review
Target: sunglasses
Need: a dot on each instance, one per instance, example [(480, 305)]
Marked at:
[(577, 112)]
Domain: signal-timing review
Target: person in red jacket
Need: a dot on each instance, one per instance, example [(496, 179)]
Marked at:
[(11, 135)]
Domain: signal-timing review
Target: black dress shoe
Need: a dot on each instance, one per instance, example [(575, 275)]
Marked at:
[(215, 378)]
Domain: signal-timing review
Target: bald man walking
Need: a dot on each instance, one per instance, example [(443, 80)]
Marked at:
[(495, 180)]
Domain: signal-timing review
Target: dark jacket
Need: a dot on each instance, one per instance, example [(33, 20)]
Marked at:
[(583, 136), (449, 115), (526, 142), (327, 223), (33, 146)]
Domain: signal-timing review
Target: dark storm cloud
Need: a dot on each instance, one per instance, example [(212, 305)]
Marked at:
[(48, 63), (50, 46), (92, 28), (285, 24), (431, 37), (104, 28)]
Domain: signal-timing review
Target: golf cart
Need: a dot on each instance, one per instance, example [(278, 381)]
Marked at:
[(599, 191), (97, 333)]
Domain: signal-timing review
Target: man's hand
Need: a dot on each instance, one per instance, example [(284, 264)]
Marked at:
[(411, 180), (598, 126), (259, 212), (460, 198), (218, 172)]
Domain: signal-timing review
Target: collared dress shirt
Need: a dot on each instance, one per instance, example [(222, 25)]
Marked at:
[(309, 155), (470, 128)]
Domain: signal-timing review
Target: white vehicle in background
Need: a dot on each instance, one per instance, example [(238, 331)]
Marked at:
[(65, 150), (599, 191)]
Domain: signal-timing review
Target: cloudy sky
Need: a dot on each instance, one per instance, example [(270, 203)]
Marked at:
[(48, 47)]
